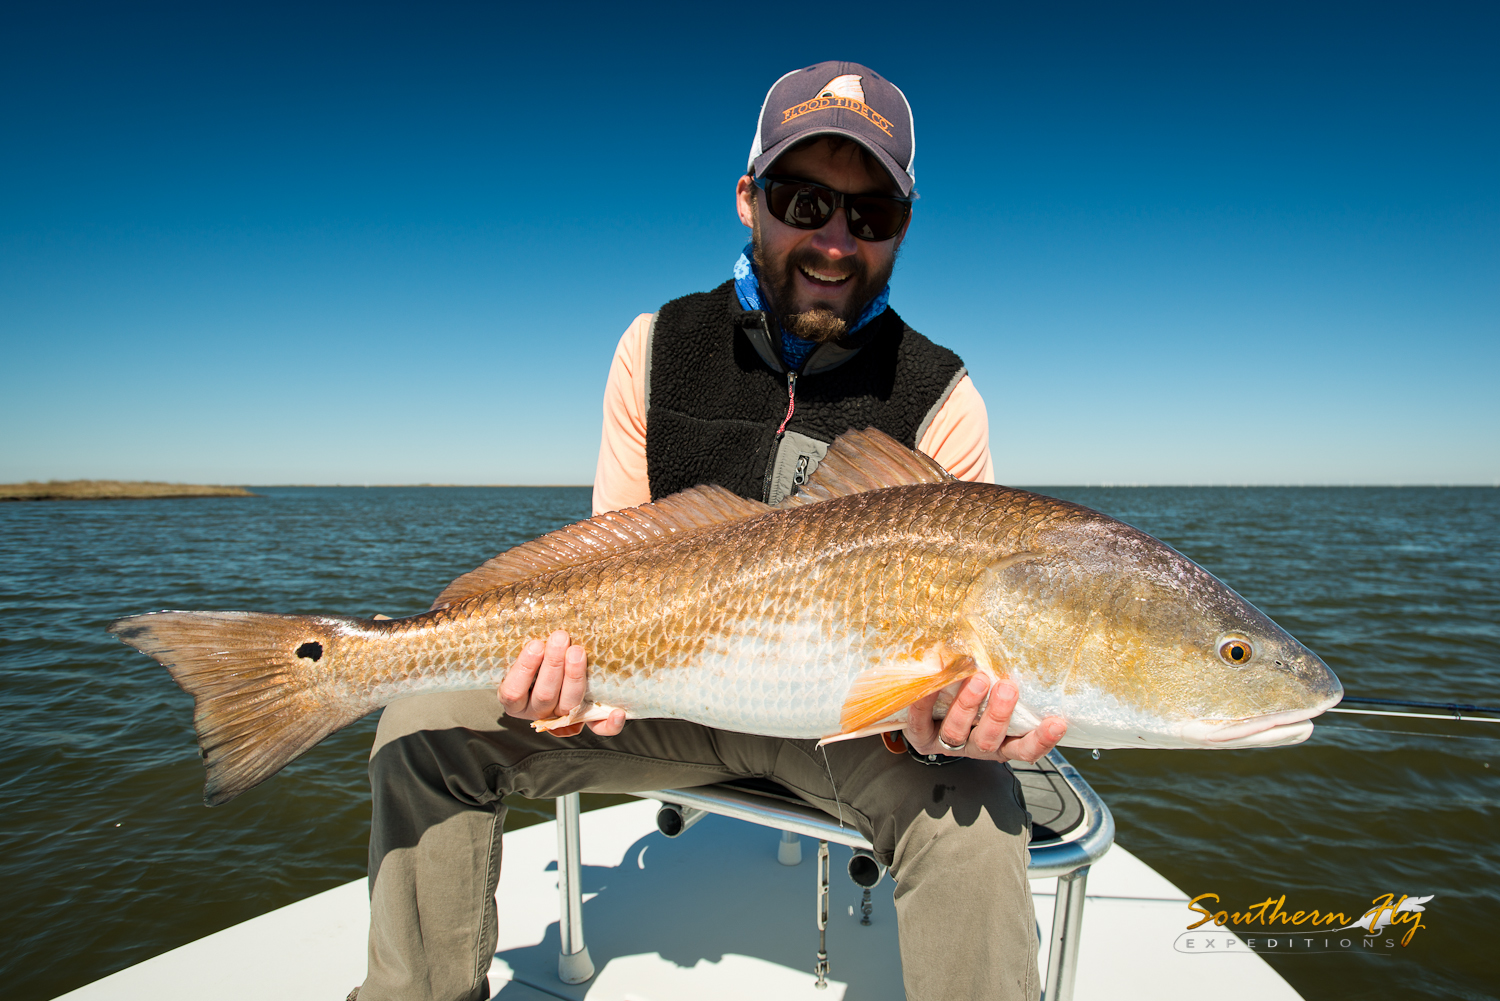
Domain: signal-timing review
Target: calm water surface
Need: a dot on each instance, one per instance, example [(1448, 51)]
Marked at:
[(107, 856)]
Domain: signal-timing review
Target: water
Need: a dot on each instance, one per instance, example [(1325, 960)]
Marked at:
[(107, 856)]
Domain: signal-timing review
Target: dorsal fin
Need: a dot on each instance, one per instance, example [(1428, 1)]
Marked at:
[(865, 460), (605, 535)]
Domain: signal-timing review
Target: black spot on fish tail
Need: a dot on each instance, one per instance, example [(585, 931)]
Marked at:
[(311, 651)]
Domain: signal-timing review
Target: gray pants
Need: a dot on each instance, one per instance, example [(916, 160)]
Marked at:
[(953, 837)]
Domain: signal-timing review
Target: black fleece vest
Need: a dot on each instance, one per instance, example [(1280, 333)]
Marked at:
[(715, 401)]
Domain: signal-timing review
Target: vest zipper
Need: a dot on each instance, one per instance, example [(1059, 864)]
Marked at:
[(791, 402), (791, 407)]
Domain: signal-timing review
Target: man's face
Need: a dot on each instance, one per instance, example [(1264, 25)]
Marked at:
[(820, 280)]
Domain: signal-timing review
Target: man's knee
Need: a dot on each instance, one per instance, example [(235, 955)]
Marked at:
[(965, 811), (435, 754), (980, 788), (477, 710)]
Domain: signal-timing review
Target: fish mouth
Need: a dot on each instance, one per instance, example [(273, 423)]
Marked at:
[(1270, 730)]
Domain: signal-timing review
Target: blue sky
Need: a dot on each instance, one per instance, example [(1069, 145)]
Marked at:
[(324, 243)]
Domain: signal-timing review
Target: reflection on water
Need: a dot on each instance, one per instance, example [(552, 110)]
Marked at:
[(108, 857)]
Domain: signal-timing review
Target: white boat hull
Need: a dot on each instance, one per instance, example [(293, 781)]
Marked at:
[(709, 915)]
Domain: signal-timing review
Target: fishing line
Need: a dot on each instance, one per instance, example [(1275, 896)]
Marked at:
[(1454, 713), (1445, 719), (1456, 710), (1330, 728), (829, 768)]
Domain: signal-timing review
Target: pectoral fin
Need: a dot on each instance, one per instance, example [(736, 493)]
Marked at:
[(882, 728), (885, 690), (588, 712)]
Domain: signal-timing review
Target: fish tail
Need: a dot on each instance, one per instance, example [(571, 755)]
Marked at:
[(254, 682)]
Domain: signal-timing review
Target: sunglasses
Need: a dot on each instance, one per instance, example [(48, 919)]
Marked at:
[(805, 205)]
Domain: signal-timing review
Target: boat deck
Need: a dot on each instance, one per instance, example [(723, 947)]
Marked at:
[(711, 914)]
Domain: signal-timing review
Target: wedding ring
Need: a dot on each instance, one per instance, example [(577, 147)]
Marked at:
[(949, 747)]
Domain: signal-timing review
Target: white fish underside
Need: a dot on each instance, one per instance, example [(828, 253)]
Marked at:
[(793, 683)]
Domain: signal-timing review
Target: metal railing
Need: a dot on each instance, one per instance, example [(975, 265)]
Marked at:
[(1068, 859)]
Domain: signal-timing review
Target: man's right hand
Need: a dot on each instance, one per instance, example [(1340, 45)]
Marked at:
[(549, 680)]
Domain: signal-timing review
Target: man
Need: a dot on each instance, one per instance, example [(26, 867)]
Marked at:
[(743, 386)]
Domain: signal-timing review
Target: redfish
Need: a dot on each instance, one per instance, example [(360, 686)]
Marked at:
[(884, 580)]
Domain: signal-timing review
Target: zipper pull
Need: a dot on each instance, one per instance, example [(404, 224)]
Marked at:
[(791, 402)]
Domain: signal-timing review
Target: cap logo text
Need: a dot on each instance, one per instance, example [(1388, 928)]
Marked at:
[(841, 92)]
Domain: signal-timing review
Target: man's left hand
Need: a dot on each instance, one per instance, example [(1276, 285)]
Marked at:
[(980, 736)]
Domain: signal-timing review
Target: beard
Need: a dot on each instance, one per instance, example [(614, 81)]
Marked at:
[(820, 323)]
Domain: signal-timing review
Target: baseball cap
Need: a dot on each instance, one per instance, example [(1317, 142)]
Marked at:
[(843, 99)]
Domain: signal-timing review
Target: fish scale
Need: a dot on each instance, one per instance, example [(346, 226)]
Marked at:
[(646, 626), (785, 633)]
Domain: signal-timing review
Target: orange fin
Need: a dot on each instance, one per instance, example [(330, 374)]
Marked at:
[(858, 461), (587, 712), (972, 633), (886, 690), (881, 728), (605, 535)]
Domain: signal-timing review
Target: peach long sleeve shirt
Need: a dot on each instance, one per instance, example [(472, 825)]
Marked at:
[(958, 437)]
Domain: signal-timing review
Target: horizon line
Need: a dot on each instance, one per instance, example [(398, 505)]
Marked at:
[(589, 486)]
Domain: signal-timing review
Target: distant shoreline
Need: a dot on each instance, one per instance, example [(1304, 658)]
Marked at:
[(112, 490)]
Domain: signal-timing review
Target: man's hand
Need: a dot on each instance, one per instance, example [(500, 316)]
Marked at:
[(549, 680), (982, 737)]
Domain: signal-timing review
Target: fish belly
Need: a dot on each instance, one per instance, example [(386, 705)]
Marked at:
[(1097, 719), (790, 680)]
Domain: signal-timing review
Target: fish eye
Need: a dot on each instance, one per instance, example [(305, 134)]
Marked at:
[(1235, 651)]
